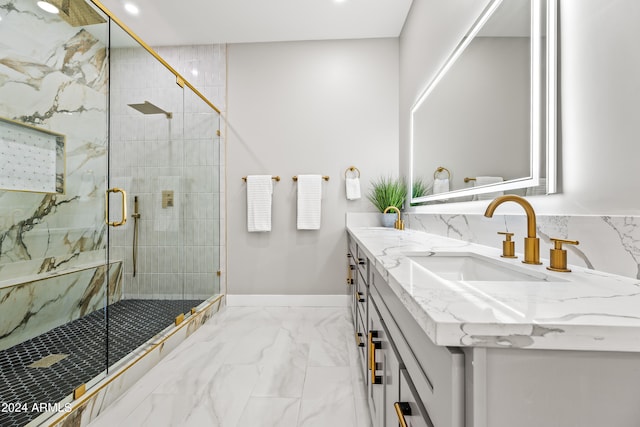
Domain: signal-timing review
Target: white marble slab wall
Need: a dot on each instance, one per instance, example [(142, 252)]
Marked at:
[(53, 76), (607, 243), (151, 153)]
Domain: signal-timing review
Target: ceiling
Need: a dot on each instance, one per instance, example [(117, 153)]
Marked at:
[(189, 22)]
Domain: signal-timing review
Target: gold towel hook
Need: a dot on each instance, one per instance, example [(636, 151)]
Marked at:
[(440, 170), (352, 169)]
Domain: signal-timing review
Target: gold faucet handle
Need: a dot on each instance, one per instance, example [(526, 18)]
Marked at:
[(558, 256), (508, 246)]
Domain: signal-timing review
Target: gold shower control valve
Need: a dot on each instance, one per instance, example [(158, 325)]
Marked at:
[(508, 246), (558, 256), (167, 199)]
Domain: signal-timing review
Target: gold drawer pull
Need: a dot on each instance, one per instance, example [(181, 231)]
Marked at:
[(375, 379), (402, 409)]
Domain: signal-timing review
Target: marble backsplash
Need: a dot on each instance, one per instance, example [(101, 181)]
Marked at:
[(607, 243)]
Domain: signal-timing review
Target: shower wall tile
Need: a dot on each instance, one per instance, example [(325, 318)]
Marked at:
[(607, 243)]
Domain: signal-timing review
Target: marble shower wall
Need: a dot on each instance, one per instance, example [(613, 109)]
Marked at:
[(151, 153), (54, 76), (607, 243), (53, 246)]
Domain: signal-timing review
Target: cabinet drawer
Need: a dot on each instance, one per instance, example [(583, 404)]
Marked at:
[(363, 267), (437, 372), (360, 342), (409, 407)]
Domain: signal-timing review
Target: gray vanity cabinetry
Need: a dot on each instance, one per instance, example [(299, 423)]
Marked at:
[(358, 275), (436, 373), (548, 367)]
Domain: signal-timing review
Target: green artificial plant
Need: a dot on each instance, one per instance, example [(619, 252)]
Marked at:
[(387, 191)]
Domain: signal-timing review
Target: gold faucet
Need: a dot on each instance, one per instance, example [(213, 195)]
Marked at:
[(399, 224), (531, 242)]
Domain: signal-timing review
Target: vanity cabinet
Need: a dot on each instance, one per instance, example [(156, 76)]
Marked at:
[(358, 278), (409, 376)]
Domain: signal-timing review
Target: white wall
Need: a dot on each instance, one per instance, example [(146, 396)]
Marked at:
[(296, 108), (600, 87)]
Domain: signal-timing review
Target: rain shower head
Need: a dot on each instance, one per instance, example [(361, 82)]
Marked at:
[(149, 108)]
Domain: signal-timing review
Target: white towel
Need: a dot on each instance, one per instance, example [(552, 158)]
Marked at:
[(309, 196), (259, 191), (486, 180), (440, 185), (353, 188)]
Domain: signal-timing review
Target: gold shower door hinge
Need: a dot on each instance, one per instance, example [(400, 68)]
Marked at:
[(79, 391), (179, 319), (218, 273)]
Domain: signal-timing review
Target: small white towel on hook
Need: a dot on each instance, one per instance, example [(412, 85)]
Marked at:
[(440, 185), (259, 191), (353, 188), (309, 201)]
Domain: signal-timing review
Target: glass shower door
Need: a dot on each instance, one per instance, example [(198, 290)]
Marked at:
[(146, 146)]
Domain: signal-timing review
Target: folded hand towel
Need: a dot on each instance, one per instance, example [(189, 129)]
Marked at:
[(440, 185), (259, 191), (486, 180), (309, 196), (353, 188)]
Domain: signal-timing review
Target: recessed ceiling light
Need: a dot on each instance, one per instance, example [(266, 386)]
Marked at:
[(48, 7), (131, 8)]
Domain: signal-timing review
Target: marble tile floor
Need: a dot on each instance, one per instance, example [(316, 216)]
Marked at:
[(254, 366)]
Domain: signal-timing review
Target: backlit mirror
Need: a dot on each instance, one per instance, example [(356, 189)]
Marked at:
[(485, 125)]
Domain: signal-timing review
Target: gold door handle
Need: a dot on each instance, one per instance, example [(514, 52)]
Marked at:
[(124, 207), (402, 409)]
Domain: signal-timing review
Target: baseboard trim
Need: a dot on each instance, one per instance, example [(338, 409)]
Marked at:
[(288, 300)]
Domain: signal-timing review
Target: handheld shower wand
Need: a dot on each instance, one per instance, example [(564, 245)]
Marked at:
[(136, 216)]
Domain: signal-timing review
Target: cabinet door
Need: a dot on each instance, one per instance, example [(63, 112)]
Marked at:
[(408, 409)]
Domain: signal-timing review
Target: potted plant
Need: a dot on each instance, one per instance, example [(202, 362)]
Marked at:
[(385, 192)]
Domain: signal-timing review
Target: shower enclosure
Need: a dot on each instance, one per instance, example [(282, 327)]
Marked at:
[(109, 202)]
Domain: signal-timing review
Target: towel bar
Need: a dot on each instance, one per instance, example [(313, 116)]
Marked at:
[(325, 177), (277, 178)]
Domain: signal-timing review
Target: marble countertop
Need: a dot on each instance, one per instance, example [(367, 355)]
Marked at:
[(581, 310)]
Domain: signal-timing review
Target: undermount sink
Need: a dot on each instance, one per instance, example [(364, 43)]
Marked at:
[(466, 266)]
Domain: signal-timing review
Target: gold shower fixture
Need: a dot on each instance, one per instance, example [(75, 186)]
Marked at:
[(149, 108)]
